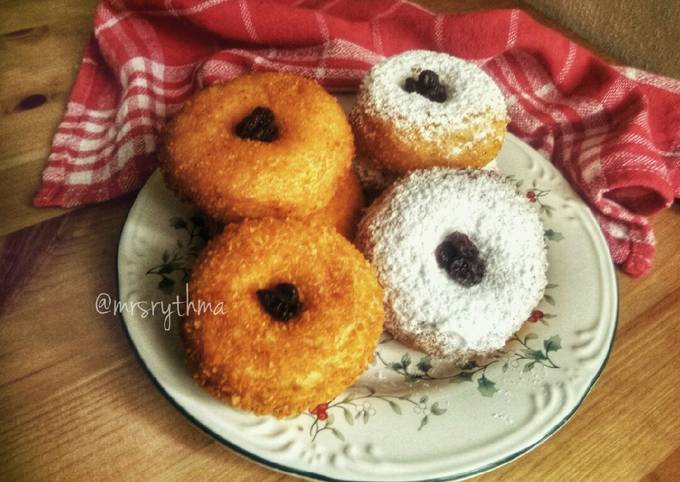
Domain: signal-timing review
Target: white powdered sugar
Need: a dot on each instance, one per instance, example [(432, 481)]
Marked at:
[(424, 306), (473, 97)]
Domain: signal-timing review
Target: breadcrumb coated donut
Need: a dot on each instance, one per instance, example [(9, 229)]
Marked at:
[(404, 130), (342, 212), (231, 178), (345, 208), (282, 368)]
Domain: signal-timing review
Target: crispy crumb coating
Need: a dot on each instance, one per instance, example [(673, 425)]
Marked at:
[(399, 153), (230, 178), (343, 212), (273, 367), (345, 208)]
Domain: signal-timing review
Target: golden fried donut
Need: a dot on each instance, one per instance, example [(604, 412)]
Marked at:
[(344, 210), (224, 154), (249, 357), (422, 109)]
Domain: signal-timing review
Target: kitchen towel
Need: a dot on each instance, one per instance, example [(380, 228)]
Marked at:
[(614, 132)]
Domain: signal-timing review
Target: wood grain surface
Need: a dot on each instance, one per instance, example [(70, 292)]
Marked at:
[(74, 402)]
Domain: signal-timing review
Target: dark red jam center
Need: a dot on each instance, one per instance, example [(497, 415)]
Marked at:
[(282, 302), (459, 257), (258, 126), (427, 84)]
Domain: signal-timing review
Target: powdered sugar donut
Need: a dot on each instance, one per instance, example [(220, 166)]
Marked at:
[(422, 109), (461, 257)]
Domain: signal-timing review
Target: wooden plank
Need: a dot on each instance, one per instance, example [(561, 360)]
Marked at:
[(41, 44)]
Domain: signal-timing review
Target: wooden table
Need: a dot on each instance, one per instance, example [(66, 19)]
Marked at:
[(75, 403)]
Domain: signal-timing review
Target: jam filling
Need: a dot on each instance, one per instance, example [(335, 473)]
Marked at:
[(281, 302), (258, 126), (459, 257), (427, 84)]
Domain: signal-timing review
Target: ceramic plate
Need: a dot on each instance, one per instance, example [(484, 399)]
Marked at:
[(408, 418)]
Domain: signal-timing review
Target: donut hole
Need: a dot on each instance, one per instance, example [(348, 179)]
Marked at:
[(281, 301), (259, 125), (459, 256), (428, 85)]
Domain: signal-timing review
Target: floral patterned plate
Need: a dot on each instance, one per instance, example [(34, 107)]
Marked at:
[(408, 417)]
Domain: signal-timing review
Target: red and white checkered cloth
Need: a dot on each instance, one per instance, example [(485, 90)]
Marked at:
[(613, 131)]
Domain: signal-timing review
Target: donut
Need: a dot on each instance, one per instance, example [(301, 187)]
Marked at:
[(423, 109), (462, 259), (344, 210), (301, 316), (262, 145)]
